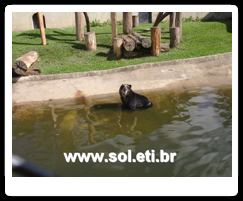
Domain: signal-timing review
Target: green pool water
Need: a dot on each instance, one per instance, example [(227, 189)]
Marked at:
[(196, 124)]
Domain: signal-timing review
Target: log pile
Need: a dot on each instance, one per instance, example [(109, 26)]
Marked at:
[(23, 65), (133, 45)]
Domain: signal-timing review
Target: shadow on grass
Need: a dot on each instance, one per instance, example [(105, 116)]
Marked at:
[(78, 46), (127, 55), (53, 37), (168, 38)]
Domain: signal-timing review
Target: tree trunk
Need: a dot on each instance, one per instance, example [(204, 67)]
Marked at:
[(87, 21), (26, 60), (117, 47), (127, 22), (90, 40), (155, 38), (128, 43), (160, 17), (135, 21), (42, 28), (174, 36), (113, 25), (172, 19), (178, 23), (79, 26)]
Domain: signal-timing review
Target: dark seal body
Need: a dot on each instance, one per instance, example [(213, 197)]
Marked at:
[(132, 100)]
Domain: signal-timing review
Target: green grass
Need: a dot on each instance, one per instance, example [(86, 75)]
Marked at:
[(64, 54)]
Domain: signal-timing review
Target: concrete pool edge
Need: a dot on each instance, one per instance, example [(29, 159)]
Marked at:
[(121, 69), (213, 69)]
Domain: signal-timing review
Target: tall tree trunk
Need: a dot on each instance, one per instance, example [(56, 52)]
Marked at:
[(79, 26), (113, 25), (127, 22)]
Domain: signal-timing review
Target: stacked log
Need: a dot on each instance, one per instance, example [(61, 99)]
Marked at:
[(133, 45)]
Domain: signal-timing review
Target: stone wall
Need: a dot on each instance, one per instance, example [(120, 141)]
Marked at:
[(23, 21)]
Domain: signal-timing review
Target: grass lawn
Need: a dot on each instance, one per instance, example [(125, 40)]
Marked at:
[(64, 54)]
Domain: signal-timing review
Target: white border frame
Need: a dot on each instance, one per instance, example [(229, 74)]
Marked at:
[(74, 186)]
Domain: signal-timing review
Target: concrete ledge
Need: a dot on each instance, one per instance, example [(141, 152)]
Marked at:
[(207, 70)]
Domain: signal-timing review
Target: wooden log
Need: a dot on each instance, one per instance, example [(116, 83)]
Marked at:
[(26, 60), (127, 22), (144, 41), (113, 25), (79, 26), (172, 19), (136, 39), (135, 21), (155, 38), (117, 47), (128, 43), (178, 22), (174, 36), (42, 28), (90, 40)]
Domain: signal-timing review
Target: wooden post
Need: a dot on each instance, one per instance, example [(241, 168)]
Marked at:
[(135, 21), (79, 26), (172, 20), (155, 39), (113, 25), (90, 40), (127, 22), (42, 28), (117, 47), (178, 23), (174, 36)]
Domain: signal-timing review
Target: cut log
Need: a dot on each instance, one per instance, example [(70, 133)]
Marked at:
[(128, 43), (136, 39), (174, 36), (42, 28), (79, 26), (90, 40), (145, 42), (127, 22), (117, 47), (26, 60), (155, 38), (135, 21), (113, 25)]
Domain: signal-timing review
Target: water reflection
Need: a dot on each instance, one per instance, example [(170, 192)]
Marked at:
[(196, 124)]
